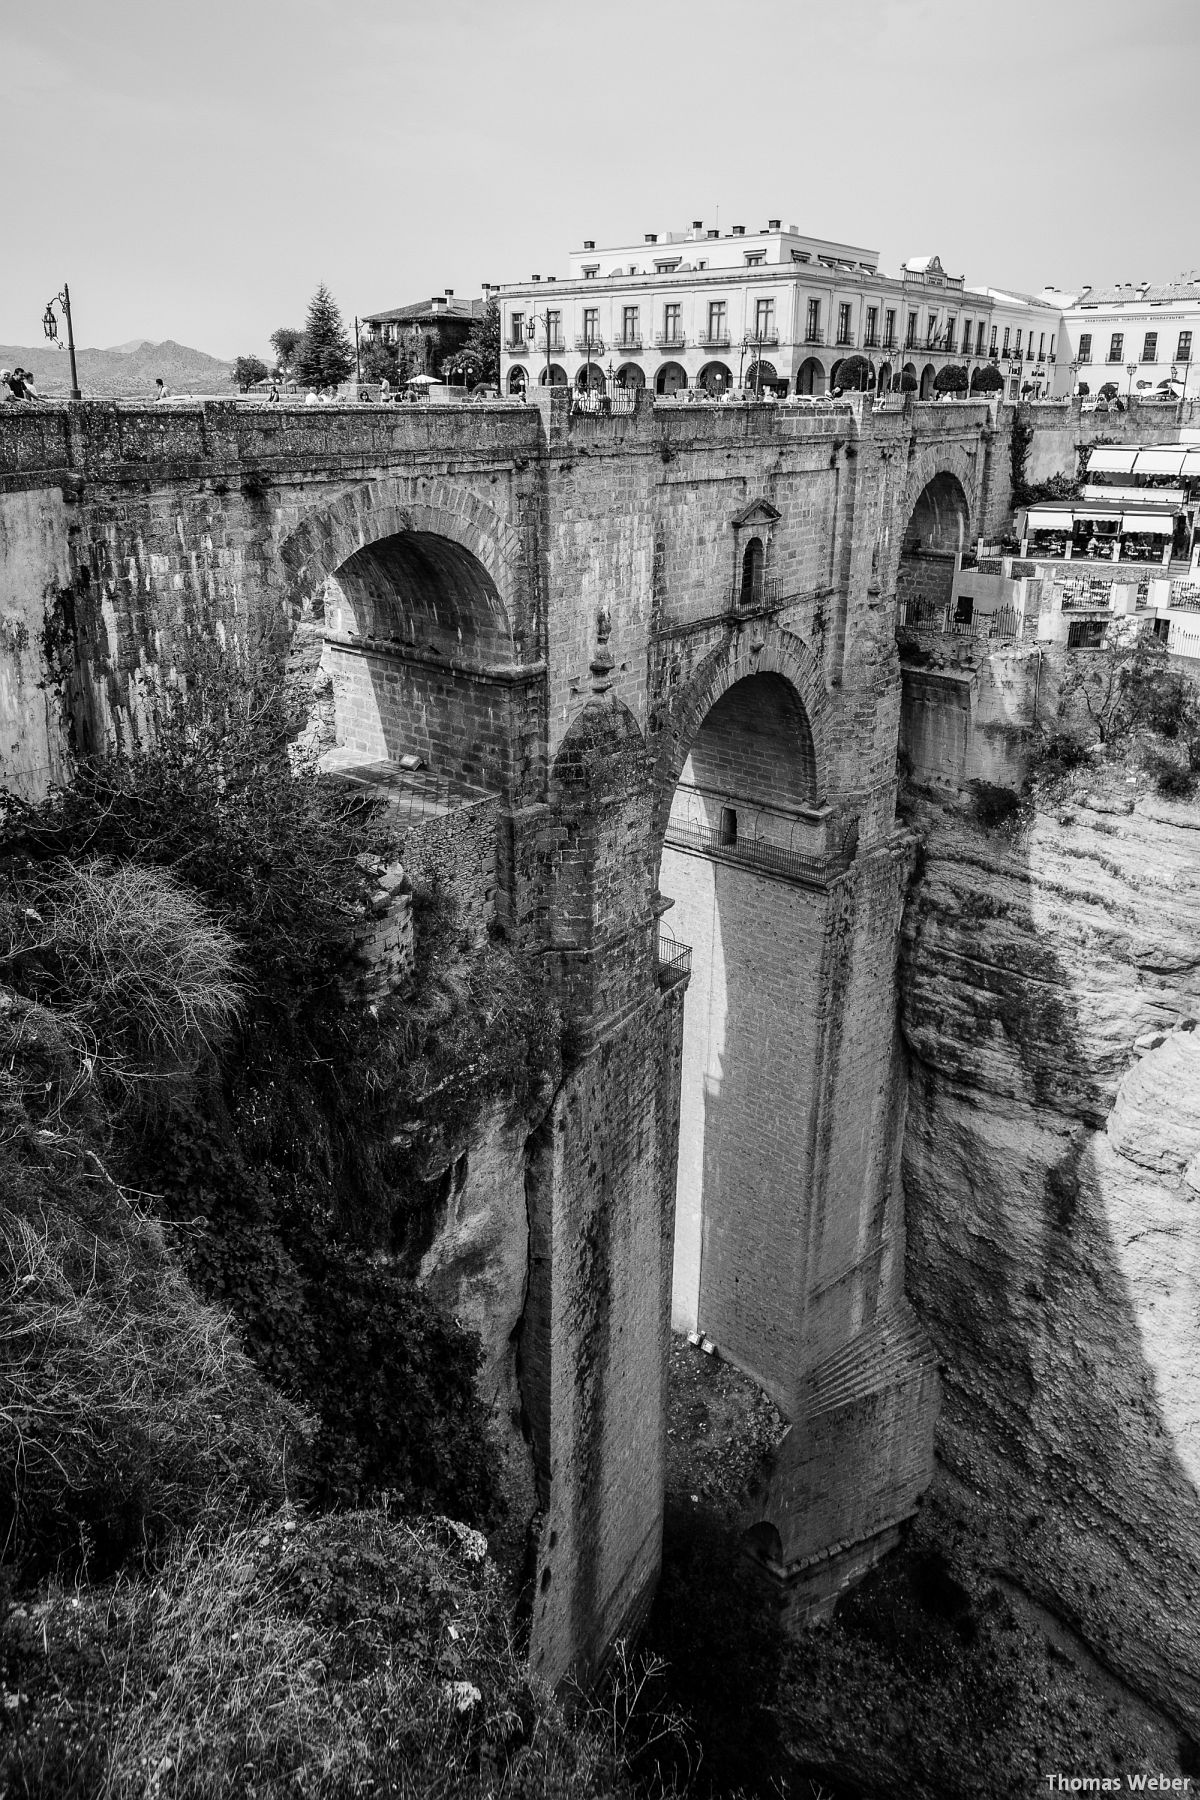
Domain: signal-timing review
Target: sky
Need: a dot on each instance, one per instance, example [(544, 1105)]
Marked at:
[(194, 171)]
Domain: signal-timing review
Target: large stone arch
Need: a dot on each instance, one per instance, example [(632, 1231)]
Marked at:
[(940, 459), (317, 545), (760, 649)]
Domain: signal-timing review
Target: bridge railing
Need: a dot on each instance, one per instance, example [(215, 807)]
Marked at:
[(1007, 624), (759, 853), (674, 959)]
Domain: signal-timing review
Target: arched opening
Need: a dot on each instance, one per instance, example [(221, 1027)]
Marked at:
[(752, 573), (590, 377), (518, 381), (908, 378), (629, 375), (937, 532), (741, 842), (416, 634), (552, 377), (834, 372), (810, 376), (928, 374), (714, 378), (670, 378), (760, 377), (884, 383)]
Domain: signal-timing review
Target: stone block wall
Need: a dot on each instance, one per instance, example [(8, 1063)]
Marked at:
[(460, 724), (458, 851)]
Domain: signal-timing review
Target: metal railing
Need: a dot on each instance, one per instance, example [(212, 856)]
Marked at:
[(1185, 596), (766, 591), (595, 345), (670, 340), (758, 853), (719, 340), (814, 336), (516, 347), (674, 959), (628, 343), (1006, 625)]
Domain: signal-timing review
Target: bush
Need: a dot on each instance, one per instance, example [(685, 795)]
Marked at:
[(128, 1408), (994, 805), (950, 380), (987, 380), (352, 1656), (1174, 780)]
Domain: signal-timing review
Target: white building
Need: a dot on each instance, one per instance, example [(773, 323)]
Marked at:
[(773, 310), (1143, 339)]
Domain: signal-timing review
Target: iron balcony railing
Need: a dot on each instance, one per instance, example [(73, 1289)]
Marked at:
[(628, 343), (814, 335), (1005, 625), (595, 344), (870, 341), (714, 340), (670, 340), (763, 340), (757, 853), (766, 591), (516, 347), (674, 959)]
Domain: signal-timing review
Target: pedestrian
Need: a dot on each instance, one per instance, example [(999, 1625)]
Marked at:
[(31, 392), (310, 399), (160, 390), (273, 396), (385, 391), (6, 382)]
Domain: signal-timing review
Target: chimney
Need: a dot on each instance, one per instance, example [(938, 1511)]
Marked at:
[(711, 233), (589, 243), (738, 231), (438, 300), (449, 293), (535, 278), (772, 224), (652, 237), (697, 224)]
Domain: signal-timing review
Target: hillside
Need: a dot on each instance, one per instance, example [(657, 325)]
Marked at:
[(127, 374)]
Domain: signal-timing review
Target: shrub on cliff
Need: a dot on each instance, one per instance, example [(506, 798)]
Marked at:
[(350, 1656)]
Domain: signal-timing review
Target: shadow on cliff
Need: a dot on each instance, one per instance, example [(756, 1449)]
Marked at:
[(1053, 1446)]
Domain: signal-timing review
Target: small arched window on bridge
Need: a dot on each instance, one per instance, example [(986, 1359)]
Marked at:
[(752, 573), (727, 830)]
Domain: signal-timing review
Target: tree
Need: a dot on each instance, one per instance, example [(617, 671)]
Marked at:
[(483, 343), (1108, 391), (950, 380), (324, 355), (854, 375), (284, 342), (1118, 684), (987, 380), (247, 370), (908, 384), (380, 361)]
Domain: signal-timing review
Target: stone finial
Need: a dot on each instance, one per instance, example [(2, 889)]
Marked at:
[(602, 657)]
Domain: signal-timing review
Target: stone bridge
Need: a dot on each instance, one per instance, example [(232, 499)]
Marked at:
[(664, 643)]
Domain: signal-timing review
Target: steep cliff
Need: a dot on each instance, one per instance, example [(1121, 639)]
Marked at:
[(1051, 990)]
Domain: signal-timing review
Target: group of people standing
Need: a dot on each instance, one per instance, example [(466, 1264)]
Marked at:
[(18, 384)]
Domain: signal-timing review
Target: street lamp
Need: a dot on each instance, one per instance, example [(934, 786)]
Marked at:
[(50, 327), (588, 341), (756, 343), (542, 319), (1131, 371)]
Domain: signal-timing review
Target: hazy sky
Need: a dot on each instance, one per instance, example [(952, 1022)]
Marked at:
[(194, 171)]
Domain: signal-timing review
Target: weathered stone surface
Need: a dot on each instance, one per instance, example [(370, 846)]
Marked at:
[(1054, 1239)]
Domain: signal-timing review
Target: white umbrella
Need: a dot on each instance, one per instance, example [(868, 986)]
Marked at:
[(422, 381)]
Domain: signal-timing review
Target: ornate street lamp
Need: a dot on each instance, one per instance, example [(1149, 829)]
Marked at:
[(1131, 371), (50, 327), (542, 319)]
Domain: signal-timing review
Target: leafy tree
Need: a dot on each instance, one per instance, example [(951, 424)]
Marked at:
[(324, 355), (1108, 391), (483, 343), (1119, 685), (987, 380), (284, 342), (380, 361), (908, 384), (950, 380), (247, 370), (854, 375)]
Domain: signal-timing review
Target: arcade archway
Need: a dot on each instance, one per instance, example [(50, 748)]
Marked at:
[(810, 376), (715, 378), (670, 378)]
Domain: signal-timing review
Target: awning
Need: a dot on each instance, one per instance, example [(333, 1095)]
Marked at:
[(1090, 515), (1191, 465), (1160, 461), (1126, 496), (1163, 524), (1046, 518), (1113, 459)]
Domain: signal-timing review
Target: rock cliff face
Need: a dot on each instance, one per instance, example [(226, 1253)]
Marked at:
[(1051, 999)]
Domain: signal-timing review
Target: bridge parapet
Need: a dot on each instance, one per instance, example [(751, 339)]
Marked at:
[(103, 439)]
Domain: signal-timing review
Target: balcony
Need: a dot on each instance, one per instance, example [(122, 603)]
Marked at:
[(674, 959), (552, 347), (845, 343), (889, 341), (814, 335), (1115, 356), (627, 343), (762, 340), (1184, 355), (516, 347), (871, 342), (714, 340), (670, 340), (595, 344)]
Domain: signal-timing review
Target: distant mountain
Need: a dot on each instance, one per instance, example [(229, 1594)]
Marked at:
[(124, 373), (131, 346)]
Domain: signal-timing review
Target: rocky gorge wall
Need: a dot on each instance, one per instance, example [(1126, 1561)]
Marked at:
[(1050, 1004)]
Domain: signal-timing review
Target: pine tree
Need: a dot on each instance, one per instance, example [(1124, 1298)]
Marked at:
[(324, 355)]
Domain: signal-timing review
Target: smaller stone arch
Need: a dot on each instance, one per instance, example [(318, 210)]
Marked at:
[(765, 648), (761, 374), (554, 376), (518, 381), (753, 559), (670, 378), (810, 376), (630, 375), (590, 377), (715, 378), (928, 376), (884, 382)]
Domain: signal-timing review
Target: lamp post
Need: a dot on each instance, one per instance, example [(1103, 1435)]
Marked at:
[(357, 359), (1131, 371), (752, 343), (50, 327), (588, 341), (1074, 368), (542, 319)]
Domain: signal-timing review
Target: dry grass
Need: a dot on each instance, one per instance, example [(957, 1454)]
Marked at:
[(127, 1407), (134, 960), (351, 1656)]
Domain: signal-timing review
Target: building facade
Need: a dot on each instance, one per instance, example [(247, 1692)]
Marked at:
[(773, 311), (1142, 339)]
